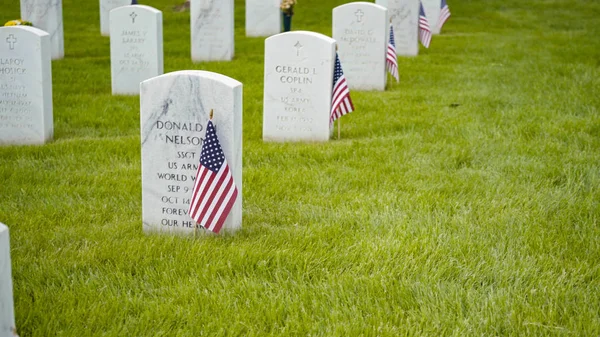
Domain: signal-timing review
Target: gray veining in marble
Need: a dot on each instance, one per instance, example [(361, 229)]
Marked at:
[(25, 86), (212, 30), (175, 109), (47, 16)]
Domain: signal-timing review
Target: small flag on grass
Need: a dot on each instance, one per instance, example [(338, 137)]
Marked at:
[(341, 103), (444, 14), (391, 61), (214, 190), (424, 30)]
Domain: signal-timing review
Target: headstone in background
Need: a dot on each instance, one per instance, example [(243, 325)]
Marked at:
[(136, 47), (25, 86), (404, 15), (7, 309), (432, 11), (105, 7), (361, 31), (297, 87), (47, 16), (263, 17), (175, 109), (212, 30)]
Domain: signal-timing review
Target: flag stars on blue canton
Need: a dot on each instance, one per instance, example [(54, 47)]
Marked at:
[(212, 156), (338, 71)]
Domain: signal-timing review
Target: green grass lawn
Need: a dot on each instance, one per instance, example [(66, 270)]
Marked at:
[(462, 201)]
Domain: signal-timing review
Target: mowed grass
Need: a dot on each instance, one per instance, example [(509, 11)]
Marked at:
[(463, 201)]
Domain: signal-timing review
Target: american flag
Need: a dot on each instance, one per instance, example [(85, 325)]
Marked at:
[(391, 61), (424, 30), (341, 103), (214, 190), (444, 14)]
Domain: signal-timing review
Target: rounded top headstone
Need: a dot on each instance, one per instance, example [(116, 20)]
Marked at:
[(362, 3), (30, 29), (301, 33), (226, 80), (130, 7)]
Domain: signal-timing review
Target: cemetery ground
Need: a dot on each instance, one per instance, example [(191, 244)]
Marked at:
[(462, 201)]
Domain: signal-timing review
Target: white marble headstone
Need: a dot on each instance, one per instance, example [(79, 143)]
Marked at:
[(263, 17), (25, 86), (47, 16), (297, 87), (432, 11), (105, 7), (136, 47), (7, 310), (360, 29), (404, 15), (212, 30), (175, 109)]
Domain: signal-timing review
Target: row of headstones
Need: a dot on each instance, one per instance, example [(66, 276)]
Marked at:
[(263, 17), (212, 23), (360, 30)]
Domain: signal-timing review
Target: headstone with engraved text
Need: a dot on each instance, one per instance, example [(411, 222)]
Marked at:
[(105, 7), (136, 47), (212, 30), (25, 86), (404, 15), (175, 109), (47, 16), (360, 29), (297, 86)]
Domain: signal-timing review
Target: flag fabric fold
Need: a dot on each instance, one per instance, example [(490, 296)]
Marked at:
[(444, 14), (341, 103), (391, 60), (214, 191), (424, 29)]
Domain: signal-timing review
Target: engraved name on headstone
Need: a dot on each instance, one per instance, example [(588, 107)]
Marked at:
[(360, 29), (175, 109), (297, 86), (25, 86), (136, 47), (404, 15)]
